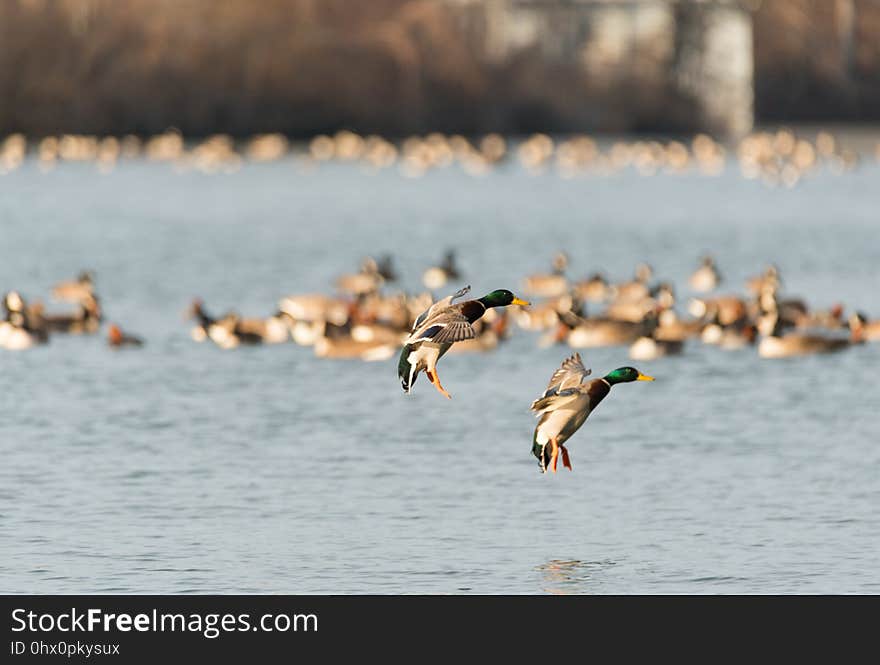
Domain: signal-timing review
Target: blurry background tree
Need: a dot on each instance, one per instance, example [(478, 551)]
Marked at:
[(400, 66)]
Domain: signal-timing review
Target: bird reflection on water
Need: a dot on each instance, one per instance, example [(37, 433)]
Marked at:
[(563, 577)]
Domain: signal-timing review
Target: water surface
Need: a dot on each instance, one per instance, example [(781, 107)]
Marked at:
[(184, 468)]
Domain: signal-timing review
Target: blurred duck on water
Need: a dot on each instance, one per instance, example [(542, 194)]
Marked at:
[(368, 322), (549, 285), (705, 278), (545, 315), (592, 332), (863, 329), (118, 339), (638, 288), (731, 337), (85, 320), (651, 347), (372, 275), (594, 289), (778, 344), (437, 276), (77, 290), (769, 279), (17, 333), (231, 330)]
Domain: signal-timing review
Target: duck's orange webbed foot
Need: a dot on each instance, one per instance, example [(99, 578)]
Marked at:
[(434, 378), (566, 462), (554, 455)]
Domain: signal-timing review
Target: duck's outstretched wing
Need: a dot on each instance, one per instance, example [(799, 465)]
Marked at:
[(438, 306), (445, 327), (570, 374), (552, 401), (564, 386)]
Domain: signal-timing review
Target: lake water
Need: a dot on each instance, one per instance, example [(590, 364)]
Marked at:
[(182, 468)]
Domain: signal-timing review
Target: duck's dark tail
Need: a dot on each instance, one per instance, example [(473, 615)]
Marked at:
[(404, 369), (541, 451)]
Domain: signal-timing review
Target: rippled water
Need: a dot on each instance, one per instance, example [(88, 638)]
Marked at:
[(184, 468)]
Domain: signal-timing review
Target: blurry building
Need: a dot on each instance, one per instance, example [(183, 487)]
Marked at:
[(395, 67), (695, 52)]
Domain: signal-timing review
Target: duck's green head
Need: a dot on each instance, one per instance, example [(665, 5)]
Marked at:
[(626, 375), (501, 298)]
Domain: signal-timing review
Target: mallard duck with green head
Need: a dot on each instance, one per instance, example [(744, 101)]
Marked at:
[(566, 405), (439, 327)]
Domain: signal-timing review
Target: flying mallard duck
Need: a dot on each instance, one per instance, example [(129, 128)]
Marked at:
[(567, 403), (439, 327)]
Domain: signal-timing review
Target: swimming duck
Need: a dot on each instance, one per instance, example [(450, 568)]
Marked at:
[(863, 329), (638, 288), (117, 339), (438, 328), (199, 332), (567, 403), (226, 332), (734, 338), (779, 345), (229, 333), (346, 347), (831, 318), (791, 311), (76, 290), (85, 320), (671, 328), (385, 268), (768, 279), (545, 315), (273, 329), (651, 347), (632, 311), (388, 311), (731, 337), (436, 277), (593, 332), (16, 333), (315, 307), (549, 285), (594, 289), (705, 278), (727, 309), (368, 280)]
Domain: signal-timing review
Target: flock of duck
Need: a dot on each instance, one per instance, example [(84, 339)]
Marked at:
[(779, 157), (364, 320), (26, 325)]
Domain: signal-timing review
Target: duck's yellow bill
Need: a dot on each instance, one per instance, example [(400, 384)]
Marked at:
[(520, 301), (644, 377)]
